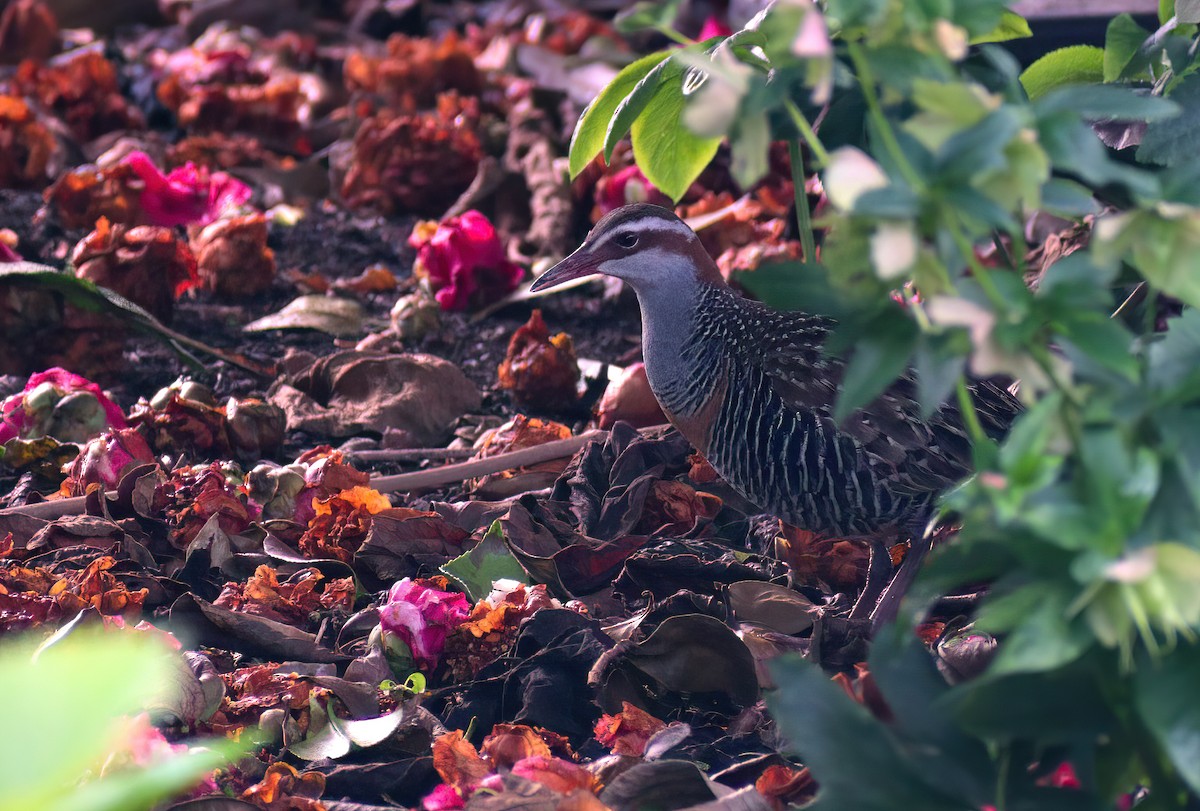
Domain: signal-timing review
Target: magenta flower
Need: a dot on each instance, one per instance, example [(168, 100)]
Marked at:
[(187, 195), (443, 798), (462, 259), (7, 254), (107, 458), (714, 26), (628, 185), (422, 617), (60, 404)]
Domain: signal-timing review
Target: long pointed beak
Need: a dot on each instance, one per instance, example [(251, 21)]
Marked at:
[(579, 264)]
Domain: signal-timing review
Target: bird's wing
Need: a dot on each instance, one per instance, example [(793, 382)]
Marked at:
[(911, 454)]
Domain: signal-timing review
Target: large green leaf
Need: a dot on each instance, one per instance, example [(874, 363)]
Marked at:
[(1165, 693), (858, 762), (1175, 141), (636, 102), (86, 295), (1012, 26), (588, 140), (670, 154), (1075, 64), (878, 359), (1122, 41), (65, 715), (476, 570)]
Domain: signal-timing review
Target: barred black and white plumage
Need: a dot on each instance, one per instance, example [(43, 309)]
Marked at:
[(753, 390)]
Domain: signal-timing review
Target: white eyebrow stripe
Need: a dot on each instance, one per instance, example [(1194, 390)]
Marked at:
[(647, 224)]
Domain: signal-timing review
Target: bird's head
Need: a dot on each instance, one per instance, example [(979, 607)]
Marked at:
[(646, 246)]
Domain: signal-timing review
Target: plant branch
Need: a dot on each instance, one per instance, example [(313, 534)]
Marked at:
[(820, 154), (887, 134), (803, 215)]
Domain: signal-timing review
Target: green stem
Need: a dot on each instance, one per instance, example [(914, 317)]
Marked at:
[(1002, 769), (866, 81), (978, 271), (803, 215), (971, 419), (671, 34), (820, 155)]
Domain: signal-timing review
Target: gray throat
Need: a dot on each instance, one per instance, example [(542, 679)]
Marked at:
[(678, 363)]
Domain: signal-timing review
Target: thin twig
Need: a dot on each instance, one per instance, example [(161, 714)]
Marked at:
[(558, 449), (412, 454)]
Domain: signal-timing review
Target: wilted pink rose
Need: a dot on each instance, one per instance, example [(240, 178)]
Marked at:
[(7, 254), (107, 458), (625, 186), (462, 257), (714, 26), (422, 617), (443, 798), (187, 195), (60, 404)]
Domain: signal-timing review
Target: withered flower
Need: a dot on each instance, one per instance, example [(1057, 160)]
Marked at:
[(81, 89), (232, 256), (418, 163), (147, 264), (414, 71), (463, 261), (539, 368), (26, 146)]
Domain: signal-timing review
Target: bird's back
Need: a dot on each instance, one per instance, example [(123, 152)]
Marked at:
[(759, 405)]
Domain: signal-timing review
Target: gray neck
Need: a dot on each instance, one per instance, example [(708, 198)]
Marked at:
[(668, 324)]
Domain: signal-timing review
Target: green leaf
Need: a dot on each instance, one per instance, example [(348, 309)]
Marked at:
[(794, 286), (1045, 640), (1122, 41), (669, 154), (878, 360), (749, 159), (477, 569), (1107, 102), (1175, 141), (86, 295), (857, 761), (68, 704), (632, 105), (654, 15), (1103, 339), (1068, 198), (1012, 26), (1165, 693), (588, 139), (1075, 64)]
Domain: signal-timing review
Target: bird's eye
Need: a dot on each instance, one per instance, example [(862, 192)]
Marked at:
[(627, 239)]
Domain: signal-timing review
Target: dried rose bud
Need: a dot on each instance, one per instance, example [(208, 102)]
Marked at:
[(625, 186), (233, 258), (276, 488), (60, 404), (422, 616), (87, 193), (81, 88), (106, 459), (256, 428), (187, 195), (28, 146), (540, 369), (629, 399), (415, 315), (417, 163), (463, 261), (147, 264), (28, 30)]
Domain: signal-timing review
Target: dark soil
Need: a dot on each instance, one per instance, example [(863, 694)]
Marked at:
[(336, 244)]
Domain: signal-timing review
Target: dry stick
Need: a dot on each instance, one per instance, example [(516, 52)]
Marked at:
[(417, 480)]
